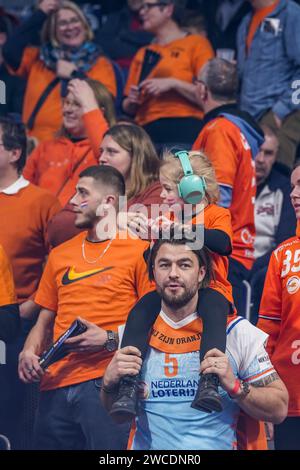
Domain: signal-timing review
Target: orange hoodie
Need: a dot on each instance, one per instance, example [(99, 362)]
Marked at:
[(55, 165)]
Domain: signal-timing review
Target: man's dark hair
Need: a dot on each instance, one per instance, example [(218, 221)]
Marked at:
[(107, 175), (202, 254), (14, 138), (221, 78)]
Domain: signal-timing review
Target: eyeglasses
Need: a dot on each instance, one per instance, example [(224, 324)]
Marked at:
[(147, 6), (64, 23)]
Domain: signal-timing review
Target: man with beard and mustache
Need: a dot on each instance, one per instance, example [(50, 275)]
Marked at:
[(169, 374), (96, 277)]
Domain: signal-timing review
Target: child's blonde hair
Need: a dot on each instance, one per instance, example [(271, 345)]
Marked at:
[(171, 168)]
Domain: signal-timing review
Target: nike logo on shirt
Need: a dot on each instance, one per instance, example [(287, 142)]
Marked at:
[(72, 276)]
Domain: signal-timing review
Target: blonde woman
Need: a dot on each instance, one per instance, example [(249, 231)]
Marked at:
[(215, 301), (67, 52)]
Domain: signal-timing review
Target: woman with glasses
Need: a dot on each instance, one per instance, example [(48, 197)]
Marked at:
[(160, 91), (67, 51)]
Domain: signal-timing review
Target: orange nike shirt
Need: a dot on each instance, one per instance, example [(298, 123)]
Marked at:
[(279, 316), (181, 59), (230, 154), (7, 288), (102, 292)]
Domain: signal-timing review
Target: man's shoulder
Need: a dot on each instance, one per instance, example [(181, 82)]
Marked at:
[(220, 128), (292, 243), (39, 192), (68, 246)]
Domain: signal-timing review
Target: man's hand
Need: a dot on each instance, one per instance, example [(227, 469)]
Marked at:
[(92, 340), (64, 68), (48, 6), (29, 368), (83, 94), (216, 362), (126, 361), (157, 86)]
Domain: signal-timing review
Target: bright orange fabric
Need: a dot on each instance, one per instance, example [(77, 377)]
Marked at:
[(104, 298), (49, 118), (230, 154), (7, 287), (55, 165), (181, 59), (23, 234), (279, 316), (257, 19), (251, 434)]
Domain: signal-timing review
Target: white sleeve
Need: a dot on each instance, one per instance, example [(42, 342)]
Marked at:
[(246, 344), (121, 330)]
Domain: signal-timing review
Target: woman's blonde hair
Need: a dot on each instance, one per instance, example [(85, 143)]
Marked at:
[(50, 25), (144, 160), (171, 168), (105, 102)]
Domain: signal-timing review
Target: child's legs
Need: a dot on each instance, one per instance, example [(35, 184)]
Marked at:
[(213, 308)]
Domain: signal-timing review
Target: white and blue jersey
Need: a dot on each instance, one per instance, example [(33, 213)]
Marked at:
[(169, 380)]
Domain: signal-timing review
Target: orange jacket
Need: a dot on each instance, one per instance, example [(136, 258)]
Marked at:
[(55, 165), (49, 118)]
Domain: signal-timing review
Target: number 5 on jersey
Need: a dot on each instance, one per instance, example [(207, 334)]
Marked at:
[(171, 366)]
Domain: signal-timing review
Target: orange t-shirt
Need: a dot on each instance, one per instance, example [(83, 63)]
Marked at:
[(55, 165), (257, 19), (49, 119), (23, 234), (181, 59), (279, 316), (7, 287), (230, 154), (102, 292)]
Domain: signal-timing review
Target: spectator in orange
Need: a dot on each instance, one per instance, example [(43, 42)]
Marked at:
[(9, 309), (129, 149), (99, 277), (67, 51), (25, 211), (163, 102), (279, 317), (88, 111)]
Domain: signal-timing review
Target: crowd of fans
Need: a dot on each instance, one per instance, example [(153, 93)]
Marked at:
[(164, 102)]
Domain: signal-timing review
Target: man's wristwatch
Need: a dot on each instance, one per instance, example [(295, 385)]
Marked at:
[(111, 343), (245, 388)]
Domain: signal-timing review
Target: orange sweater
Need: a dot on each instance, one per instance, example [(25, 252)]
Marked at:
[(56, 164), (49, 118), (23, 234)]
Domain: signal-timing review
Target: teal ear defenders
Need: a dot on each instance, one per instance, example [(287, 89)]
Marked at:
[(191, 188)]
